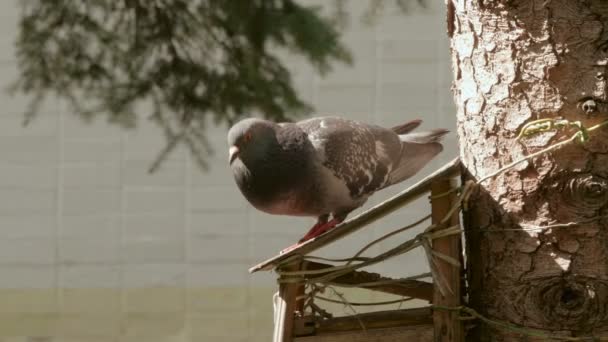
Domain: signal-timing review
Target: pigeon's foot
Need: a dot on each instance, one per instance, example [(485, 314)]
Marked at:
[(319, 229), (315, 231)]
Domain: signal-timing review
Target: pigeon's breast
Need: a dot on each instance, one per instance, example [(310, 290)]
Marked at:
[(286, 204), (277, 189), (286, 201)]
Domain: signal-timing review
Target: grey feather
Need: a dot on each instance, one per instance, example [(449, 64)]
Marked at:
[(350, 150), (414, 157), (407, 127), (433, 136)]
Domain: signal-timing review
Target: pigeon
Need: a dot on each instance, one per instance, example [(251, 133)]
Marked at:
[(325, 165)]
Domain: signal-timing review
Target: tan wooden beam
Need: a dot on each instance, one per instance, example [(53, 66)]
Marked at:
[(286, 308), (395, 325), (421, 333), (447, 326), (376, 320)]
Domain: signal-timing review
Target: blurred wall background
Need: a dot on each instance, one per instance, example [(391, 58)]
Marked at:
[(93, 248)]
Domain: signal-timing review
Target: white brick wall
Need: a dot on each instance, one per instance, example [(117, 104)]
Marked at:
[(92, 247)]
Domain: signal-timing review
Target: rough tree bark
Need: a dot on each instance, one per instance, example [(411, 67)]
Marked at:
[(537, 244)]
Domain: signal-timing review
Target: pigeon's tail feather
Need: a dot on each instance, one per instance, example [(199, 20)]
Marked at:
[(433, 136), (418, 150), (406, 127), (413, 158)]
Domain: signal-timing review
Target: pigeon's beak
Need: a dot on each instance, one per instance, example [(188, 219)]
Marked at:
[(233, 152)]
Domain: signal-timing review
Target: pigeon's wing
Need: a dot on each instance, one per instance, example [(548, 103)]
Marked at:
[(361, 155)]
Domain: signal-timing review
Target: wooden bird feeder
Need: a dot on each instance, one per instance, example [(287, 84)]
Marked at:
[(292, 323)]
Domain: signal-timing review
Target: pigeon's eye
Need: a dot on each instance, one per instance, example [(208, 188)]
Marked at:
[(247, 137)]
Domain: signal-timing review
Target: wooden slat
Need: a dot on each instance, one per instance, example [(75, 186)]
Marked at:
[(286, 308), (375, 320), (421, 333), (410, 194), (447, 326), (408, 288)]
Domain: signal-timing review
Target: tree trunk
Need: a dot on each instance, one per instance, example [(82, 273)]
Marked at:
[(537, 253)]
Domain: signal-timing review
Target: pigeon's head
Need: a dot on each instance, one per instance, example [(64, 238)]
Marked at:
[(250, 140)]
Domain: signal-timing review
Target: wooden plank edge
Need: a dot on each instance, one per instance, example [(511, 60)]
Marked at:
[(371, 320), (420, 333), (450, 169)]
